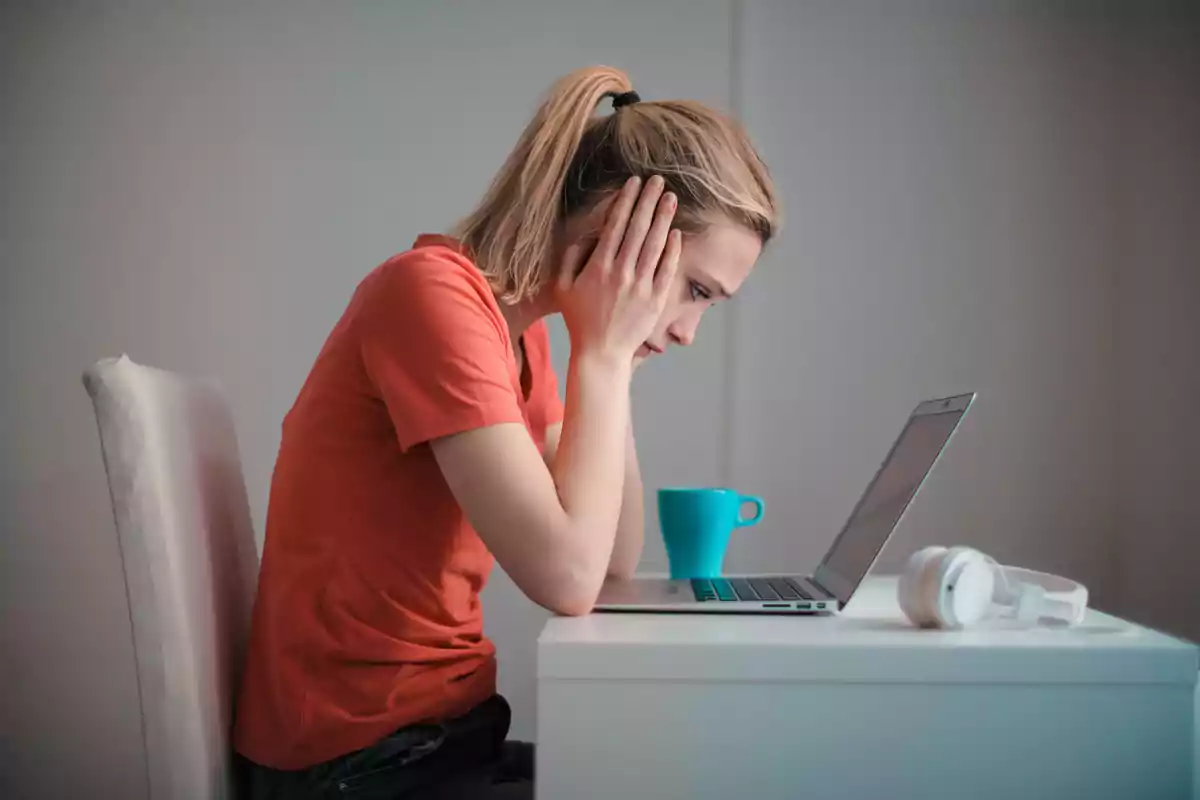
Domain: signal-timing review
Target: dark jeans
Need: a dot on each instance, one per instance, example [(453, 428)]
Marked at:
[(465, 757)]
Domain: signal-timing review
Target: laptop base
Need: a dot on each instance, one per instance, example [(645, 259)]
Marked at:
[(734, 594)]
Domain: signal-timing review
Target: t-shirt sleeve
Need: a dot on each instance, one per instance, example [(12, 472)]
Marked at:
[(434, 349)]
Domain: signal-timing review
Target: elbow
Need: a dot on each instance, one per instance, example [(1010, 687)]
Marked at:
[(569, 602), (564, 578), (573, 607), (573, 592)]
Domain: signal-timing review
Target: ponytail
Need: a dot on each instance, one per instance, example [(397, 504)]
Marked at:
[(510, 234)]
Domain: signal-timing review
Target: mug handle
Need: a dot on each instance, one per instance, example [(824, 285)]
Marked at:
[(758, 510)]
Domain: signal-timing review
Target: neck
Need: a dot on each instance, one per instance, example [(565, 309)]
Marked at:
[(521, 315)]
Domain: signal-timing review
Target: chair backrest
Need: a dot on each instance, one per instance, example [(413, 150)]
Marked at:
[(190, 562)]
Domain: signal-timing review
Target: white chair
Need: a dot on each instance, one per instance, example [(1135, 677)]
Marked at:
[(190, 562)]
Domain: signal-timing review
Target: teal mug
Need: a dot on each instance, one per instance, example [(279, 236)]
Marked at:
[(696, 525)]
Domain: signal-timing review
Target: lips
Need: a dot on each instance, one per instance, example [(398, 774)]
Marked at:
[(653, 348)]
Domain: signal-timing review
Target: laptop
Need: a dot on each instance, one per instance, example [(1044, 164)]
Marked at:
[(853, 553)]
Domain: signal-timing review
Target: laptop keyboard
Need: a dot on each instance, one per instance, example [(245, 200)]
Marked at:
[(752, 589)]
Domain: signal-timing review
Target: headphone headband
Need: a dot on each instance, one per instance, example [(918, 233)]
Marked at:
[(1062, 598)]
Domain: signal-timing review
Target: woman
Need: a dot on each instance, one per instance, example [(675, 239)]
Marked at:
[(430, 438)]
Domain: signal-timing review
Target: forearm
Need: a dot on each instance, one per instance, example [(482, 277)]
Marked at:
[(630, 538), (589, 468)]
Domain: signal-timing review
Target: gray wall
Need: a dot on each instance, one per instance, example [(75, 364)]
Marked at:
[(203, 189), (1002, 197), (948, 171), (1158, 322)]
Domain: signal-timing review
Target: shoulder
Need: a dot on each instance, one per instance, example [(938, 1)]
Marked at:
[(434, 263), (436, 277)]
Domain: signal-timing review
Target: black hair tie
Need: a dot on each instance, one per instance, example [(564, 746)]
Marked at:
[(625, 99)]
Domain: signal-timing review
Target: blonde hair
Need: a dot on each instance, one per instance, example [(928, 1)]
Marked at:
[(568, 158)]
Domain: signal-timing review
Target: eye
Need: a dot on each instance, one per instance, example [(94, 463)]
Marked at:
[(698, 291)]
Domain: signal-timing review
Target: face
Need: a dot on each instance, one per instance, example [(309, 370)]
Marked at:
[(712, 267)]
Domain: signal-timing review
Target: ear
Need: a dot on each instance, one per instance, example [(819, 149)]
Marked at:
[(588, 223)]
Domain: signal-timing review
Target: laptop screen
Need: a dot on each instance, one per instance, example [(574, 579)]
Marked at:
[(884, 501)]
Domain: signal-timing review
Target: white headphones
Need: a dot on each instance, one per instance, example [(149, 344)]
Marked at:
[(957, 587)]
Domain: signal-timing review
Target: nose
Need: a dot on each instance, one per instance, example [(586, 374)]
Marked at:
[(683, 332)]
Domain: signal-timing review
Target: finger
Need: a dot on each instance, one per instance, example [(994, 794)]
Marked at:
[(656, 239), (572, 263), (639, 225), (668, 265), (618, 218)]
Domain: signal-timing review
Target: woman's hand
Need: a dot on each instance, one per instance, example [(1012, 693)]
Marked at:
[(612, 305)]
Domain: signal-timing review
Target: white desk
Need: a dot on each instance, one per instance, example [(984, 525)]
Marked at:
[(860, 706)]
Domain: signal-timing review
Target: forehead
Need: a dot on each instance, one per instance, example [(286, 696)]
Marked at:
[(723, 251)]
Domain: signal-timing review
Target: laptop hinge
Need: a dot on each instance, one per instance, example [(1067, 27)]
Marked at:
[(818, 585)]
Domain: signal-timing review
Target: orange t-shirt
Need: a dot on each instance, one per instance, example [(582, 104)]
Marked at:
[(367, 616)]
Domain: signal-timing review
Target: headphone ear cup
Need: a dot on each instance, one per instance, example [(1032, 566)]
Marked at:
[(965, 583), (911, 592), (929, 588)]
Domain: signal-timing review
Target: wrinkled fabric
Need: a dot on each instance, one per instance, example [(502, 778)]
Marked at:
[(467, 757)]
